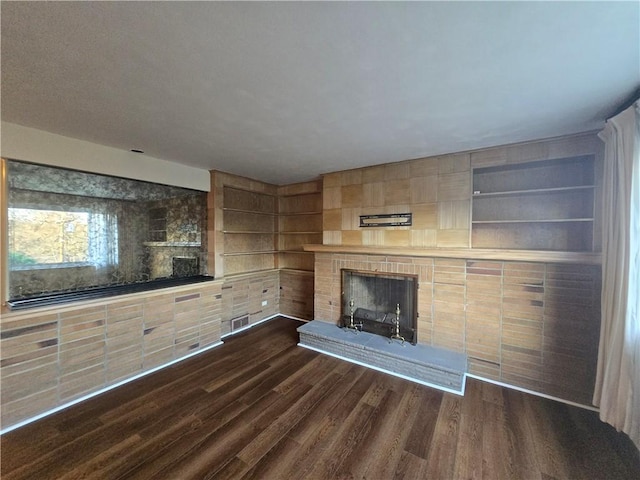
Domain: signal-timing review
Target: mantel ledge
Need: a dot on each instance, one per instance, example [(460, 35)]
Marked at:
[(542, 256)]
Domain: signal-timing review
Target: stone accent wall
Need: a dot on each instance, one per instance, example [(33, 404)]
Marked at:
[(532, 325)]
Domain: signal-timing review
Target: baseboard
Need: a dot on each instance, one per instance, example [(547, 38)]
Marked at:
[(533, 392)]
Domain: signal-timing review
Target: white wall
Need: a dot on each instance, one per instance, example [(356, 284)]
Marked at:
[(38, 146)]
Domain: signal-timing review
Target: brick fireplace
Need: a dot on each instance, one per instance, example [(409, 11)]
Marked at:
[(530, 324)]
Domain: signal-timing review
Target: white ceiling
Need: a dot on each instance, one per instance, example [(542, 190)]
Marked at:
[(283, 92)]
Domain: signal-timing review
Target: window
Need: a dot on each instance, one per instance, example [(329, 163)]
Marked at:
[(40, 238)]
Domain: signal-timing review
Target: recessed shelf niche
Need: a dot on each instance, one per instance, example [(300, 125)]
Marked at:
[(542, 205)]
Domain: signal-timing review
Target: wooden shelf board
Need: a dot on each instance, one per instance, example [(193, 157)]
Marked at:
[(533, 191), (285, 214), (299, 194), (296, 251), (301, 233), (248, 190), (541, 256), (253, 212), (239, 254), (236, 232), (248, 273), (297, 271), (551, 220)]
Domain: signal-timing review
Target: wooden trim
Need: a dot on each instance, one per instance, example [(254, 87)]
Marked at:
[(583, 258), (4, 240)]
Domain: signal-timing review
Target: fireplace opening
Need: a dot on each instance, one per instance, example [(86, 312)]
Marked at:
[(372, 301), (185, 267)]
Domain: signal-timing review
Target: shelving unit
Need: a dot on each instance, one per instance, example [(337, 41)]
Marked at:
[(158, 224), (544, 205), (249, 230), (299, 223)]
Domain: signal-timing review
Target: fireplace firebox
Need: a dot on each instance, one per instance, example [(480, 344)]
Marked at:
[(380, 303)]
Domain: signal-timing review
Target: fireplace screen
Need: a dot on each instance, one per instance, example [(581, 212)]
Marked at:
[(372, 300)]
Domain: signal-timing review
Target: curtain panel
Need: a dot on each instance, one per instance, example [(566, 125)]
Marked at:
[(617, 389)]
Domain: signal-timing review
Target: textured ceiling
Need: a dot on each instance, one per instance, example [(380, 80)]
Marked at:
[(286, 91)]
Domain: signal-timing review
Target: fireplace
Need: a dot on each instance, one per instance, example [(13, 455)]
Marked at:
[(371, 302), (185, 266)]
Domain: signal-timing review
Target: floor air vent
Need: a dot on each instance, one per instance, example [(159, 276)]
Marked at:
[(239, 322)]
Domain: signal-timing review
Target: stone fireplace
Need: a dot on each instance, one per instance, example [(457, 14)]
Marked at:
[(374, 300)]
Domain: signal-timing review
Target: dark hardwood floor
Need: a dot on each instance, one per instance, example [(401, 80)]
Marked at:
[(261, 407)]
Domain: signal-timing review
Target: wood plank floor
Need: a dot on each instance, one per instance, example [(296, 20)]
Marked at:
[(259, 407)]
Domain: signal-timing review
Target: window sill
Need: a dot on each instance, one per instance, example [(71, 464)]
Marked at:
[(59, 298)]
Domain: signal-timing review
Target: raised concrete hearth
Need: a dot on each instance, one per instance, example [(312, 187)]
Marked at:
[(431, 366)]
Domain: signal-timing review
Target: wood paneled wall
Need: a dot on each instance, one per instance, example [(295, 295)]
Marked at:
[(244, 295), (54, 355), (533, 325), (296, 293), (530, 324), (436, 190), (283, 275)]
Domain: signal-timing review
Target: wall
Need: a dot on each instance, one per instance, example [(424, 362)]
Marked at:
[(38, 146), (254, 296), (436, 190), (293, 292), (51, 356), (532, 324)]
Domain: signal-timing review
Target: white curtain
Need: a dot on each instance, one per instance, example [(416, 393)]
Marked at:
[(617, 390), (103, 239)]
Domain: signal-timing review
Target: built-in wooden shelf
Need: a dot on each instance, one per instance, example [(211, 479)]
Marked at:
[(299, 213), (534, 191), (172, 244), (546, 220), (238, 232), (238, 254), (541, 256), (541, 205), (253, 212)]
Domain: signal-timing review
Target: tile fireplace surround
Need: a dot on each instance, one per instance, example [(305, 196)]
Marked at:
[(529, 324)]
